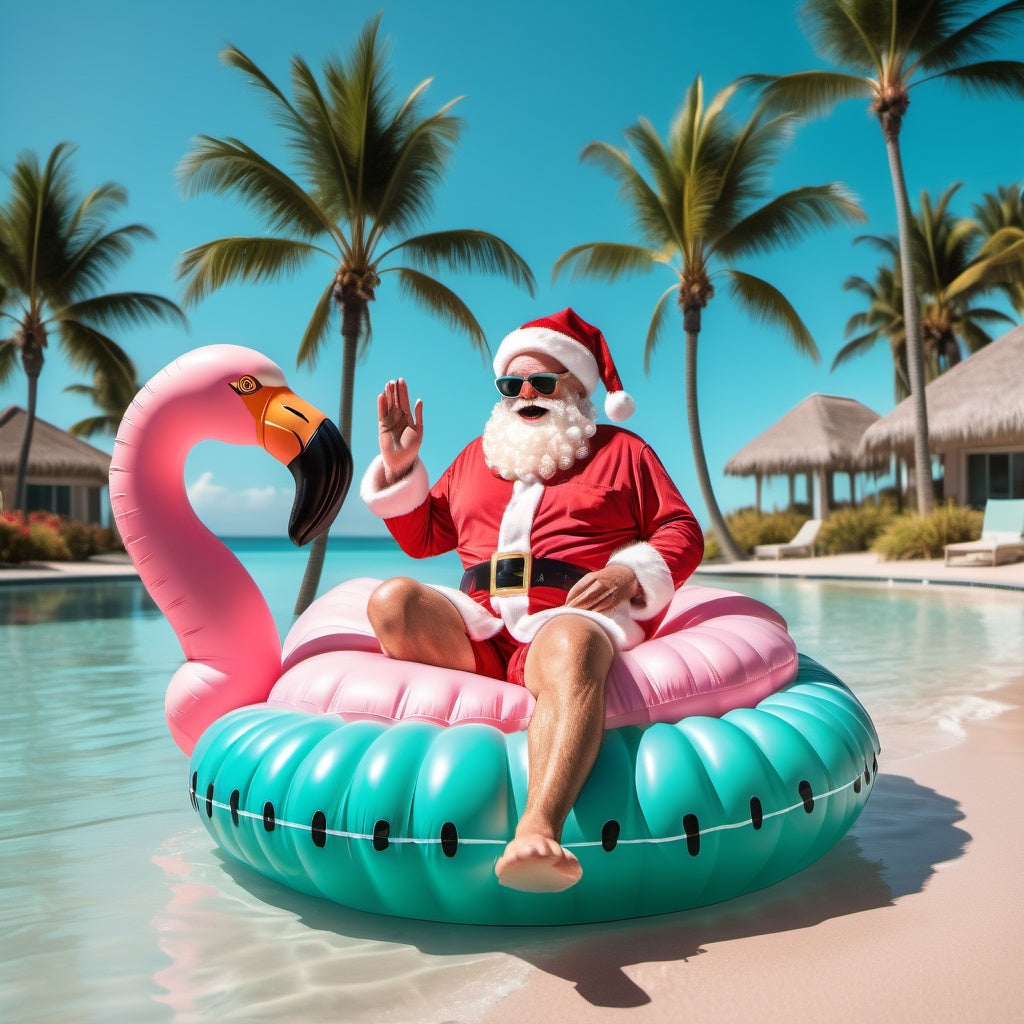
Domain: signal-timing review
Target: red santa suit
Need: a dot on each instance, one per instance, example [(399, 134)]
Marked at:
[(616, 506)]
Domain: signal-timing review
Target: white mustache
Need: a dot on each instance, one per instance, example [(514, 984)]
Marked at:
[(539, 402)]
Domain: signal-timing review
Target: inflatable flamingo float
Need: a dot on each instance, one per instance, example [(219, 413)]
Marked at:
[(729, 761)]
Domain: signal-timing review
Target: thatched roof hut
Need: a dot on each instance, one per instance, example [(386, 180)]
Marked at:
[(979, 402), (65, 474), (819, 436)]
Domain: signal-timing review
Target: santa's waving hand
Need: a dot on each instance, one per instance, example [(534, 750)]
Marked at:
[(401, 429)]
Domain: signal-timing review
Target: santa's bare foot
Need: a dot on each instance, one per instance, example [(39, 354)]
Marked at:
[(536, 863)]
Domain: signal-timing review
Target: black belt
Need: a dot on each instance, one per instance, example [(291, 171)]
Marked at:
[(506, 574)]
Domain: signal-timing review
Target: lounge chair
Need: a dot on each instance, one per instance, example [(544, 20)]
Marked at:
[(801, 544), (1002, 534)]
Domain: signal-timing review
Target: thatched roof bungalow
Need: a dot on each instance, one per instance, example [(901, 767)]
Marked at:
[(975, 422), (65, 475), (819, 437)]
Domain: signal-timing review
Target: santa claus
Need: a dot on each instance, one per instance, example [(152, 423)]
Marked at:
[(573, 539)]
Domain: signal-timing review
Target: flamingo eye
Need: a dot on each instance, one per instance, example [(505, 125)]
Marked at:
[(246, 385)]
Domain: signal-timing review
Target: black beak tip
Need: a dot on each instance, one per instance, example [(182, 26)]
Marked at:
[(323, 474)]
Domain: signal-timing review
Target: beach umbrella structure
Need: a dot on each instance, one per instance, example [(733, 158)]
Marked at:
[(975, 423), (65, 474), (819, 437)]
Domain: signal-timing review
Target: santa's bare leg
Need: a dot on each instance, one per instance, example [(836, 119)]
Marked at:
[(566, 670), (415, 623)]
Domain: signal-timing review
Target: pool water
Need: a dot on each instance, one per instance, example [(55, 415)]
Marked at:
[(117, 906)]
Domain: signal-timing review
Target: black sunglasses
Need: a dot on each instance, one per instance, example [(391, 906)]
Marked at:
[(542, 383)]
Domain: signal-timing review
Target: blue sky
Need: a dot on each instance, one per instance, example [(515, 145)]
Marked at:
[(131, 84)]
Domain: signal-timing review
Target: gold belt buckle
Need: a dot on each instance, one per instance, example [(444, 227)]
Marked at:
[(512, 591)]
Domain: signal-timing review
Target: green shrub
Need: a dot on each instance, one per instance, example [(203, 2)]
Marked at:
[(44, 537), (852, 529), (750, 528), (914, 536)]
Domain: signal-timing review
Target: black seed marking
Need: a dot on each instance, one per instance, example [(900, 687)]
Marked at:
[(867, 775), (692, 829), (610, 835), (192, 791), (856, 784), (318, 829), (449, 839), (269, 822), (756, 813), (234, 806), (209, 800), (807, 795), (874, 765), (381, 831)]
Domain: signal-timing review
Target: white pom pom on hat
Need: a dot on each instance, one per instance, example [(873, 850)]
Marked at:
[(580, 347)]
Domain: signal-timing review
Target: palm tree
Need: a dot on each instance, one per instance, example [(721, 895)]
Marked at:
[(56, 252), (952, 274), (371, 169), (111, 394), (992, 217), (696, 212), (881, 320), (890, 47)]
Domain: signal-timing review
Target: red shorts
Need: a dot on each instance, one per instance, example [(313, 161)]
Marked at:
[(501, 657)]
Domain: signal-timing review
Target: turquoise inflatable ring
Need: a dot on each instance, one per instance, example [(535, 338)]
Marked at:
[(408, 818)]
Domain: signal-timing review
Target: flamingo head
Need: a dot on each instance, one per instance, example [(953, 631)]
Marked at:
[(301, 437)]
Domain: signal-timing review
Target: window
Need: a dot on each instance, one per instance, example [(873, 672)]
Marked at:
[(994, 475), (49, 498)]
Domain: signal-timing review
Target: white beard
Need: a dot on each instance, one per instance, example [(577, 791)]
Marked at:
[(528, 450)]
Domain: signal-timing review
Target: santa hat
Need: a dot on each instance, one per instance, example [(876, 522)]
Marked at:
[(579, 347)]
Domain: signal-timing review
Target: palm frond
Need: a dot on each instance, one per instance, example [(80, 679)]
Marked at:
[(211, 265), (123, 309), (991, 77), (972, 40), (91, 266), (467, 249), (89, 349), (225, 166), (8, 360), (441, 302), (93, 425), (650, 210), (788, 218), (316, 330), (856, 347), (608, 260), (656, 325), (810, 93), (768, 305)]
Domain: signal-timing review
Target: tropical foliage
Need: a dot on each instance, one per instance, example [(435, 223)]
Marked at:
[(702, 204), (56, 253), (917, 536), (993, 216), (954, 267), (366, 172), (888, 48), (111, 394)]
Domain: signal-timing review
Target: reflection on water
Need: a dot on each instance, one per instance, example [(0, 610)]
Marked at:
[(118, 906), (70, 602)]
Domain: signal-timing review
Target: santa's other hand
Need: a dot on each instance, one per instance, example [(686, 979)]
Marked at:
[(604, 589)]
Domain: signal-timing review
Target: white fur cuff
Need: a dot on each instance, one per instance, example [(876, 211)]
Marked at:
[(654, 576), (480, 624), (401, 497)]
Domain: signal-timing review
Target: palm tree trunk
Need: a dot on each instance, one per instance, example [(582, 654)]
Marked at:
[(691, 326), (353, 313), (32, 361), (912, 323)]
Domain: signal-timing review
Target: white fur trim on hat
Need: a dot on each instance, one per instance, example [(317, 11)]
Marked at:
[(619, 406), (568, 351), (398, 499), (653, 574)]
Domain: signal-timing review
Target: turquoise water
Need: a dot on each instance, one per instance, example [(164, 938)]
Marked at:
[(117, 908)]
